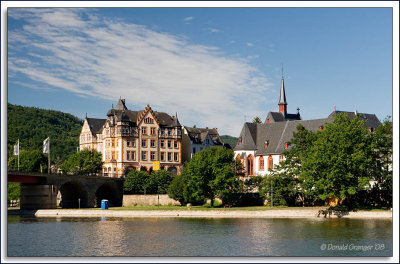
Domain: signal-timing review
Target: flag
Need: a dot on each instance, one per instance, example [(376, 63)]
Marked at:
[(46, 146), (16, 148)]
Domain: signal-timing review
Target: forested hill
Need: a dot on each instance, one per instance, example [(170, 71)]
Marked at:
[(229, 140), (32, 125)]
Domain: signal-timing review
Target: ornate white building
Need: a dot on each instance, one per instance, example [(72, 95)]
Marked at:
[(141, 140)]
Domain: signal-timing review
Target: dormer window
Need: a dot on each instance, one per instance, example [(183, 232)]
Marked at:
[(320, 128), (286, 145), (266, 144), (239, 141)]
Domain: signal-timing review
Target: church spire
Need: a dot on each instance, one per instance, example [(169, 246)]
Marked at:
[(282, 99)]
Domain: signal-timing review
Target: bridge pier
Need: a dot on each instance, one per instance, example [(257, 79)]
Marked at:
[(38, 196)]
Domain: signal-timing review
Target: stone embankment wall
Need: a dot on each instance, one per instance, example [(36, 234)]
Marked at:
[(148, 199)]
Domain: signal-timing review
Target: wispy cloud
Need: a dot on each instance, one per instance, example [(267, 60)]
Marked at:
[(78, 51), (213, 30), (249, 44), (187, 19)]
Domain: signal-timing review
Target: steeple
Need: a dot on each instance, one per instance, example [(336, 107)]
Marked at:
[(282, 99)]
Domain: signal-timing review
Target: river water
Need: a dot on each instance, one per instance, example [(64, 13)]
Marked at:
[(32, 236)]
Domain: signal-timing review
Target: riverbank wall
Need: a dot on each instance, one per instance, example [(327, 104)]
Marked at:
[(148, 199), (276, 213)]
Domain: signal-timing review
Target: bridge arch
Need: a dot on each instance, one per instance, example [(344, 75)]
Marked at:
[(110, 192), (71, 192)]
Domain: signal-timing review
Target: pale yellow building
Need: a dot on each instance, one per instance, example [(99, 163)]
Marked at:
[(141, 140)]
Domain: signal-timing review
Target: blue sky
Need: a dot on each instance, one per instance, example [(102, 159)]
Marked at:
[(215, 67)]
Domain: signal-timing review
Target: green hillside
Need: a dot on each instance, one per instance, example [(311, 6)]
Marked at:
[(229, 140), (32, 125)]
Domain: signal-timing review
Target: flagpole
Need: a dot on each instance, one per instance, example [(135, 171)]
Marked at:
[(18, 154), (48, 169)]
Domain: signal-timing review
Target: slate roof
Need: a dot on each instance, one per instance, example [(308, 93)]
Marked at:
[(255, 136), (280, 117), (95, 125), (198, 135)]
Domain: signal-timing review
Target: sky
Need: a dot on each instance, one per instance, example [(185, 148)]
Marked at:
[(214, 67)]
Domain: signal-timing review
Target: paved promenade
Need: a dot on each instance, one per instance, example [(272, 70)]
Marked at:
[(276, 213)]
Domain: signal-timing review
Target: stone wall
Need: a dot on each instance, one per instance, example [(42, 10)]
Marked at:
[(148, 199)]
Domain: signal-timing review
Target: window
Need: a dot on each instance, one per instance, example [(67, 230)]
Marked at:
[(194, 150), (176, 156), (143, 143), (169, 132), (169, 156), (162, 144), (128, 155), (144, 131), (169, 143), (133, 155), (162, 156), (175, 144), (153, 155), (152, 143), (162, 131), (116, 142), (133, 143), (281, 159), (321, 127), (148, 120), (112, 142), (113, 155), (270, 163), (261, 163), (286, 145), (128, 143), (144, 155), (117, 155), (152, 131), (266, 144)]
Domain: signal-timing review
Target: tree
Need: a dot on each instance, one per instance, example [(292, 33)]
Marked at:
[(208, 174), (382, 143), (83, 162), (177, 188), (257, 120), (13, 191), (159, 182), (135, 182), (29, 161), (338, 160)]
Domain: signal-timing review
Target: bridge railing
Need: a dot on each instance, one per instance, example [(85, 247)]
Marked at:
[(38, 174)]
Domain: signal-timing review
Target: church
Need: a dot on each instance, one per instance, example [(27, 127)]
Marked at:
[(260, 146)]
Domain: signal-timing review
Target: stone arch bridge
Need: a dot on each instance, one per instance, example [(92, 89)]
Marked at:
[(40, 191)]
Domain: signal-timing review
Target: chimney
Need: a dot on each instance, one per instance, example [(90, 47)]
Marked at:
[(194, 126)]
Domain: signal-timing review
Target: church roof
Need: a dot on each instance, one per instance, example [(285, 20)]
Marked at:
[(280, 116), (276, 134)]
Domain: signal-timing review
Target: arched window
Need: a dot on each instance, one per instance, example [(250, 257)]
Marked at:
[(250, 165), (270, 163), (261, 163)]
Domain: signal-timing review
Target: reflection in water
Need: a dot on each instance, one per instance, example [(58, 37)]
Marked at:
[(31, 236)]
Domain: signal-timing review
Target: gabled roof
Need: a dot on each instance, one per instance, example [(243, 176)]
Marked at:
[(198, 135), (280, 117), (95, 125), (276, 134), (371, 121)]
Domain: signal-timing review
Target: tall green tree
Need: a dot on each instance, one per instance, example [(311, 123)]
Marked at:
[(83, 162), (158, 182), (337, 163), (382, 167), (210, 173), (13, 191), (136, 182)]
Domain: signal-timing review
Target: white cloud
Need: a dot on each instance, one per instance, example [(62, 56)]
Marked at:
[(188, 18), (249, 44), (213, 30), (107, 59)]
